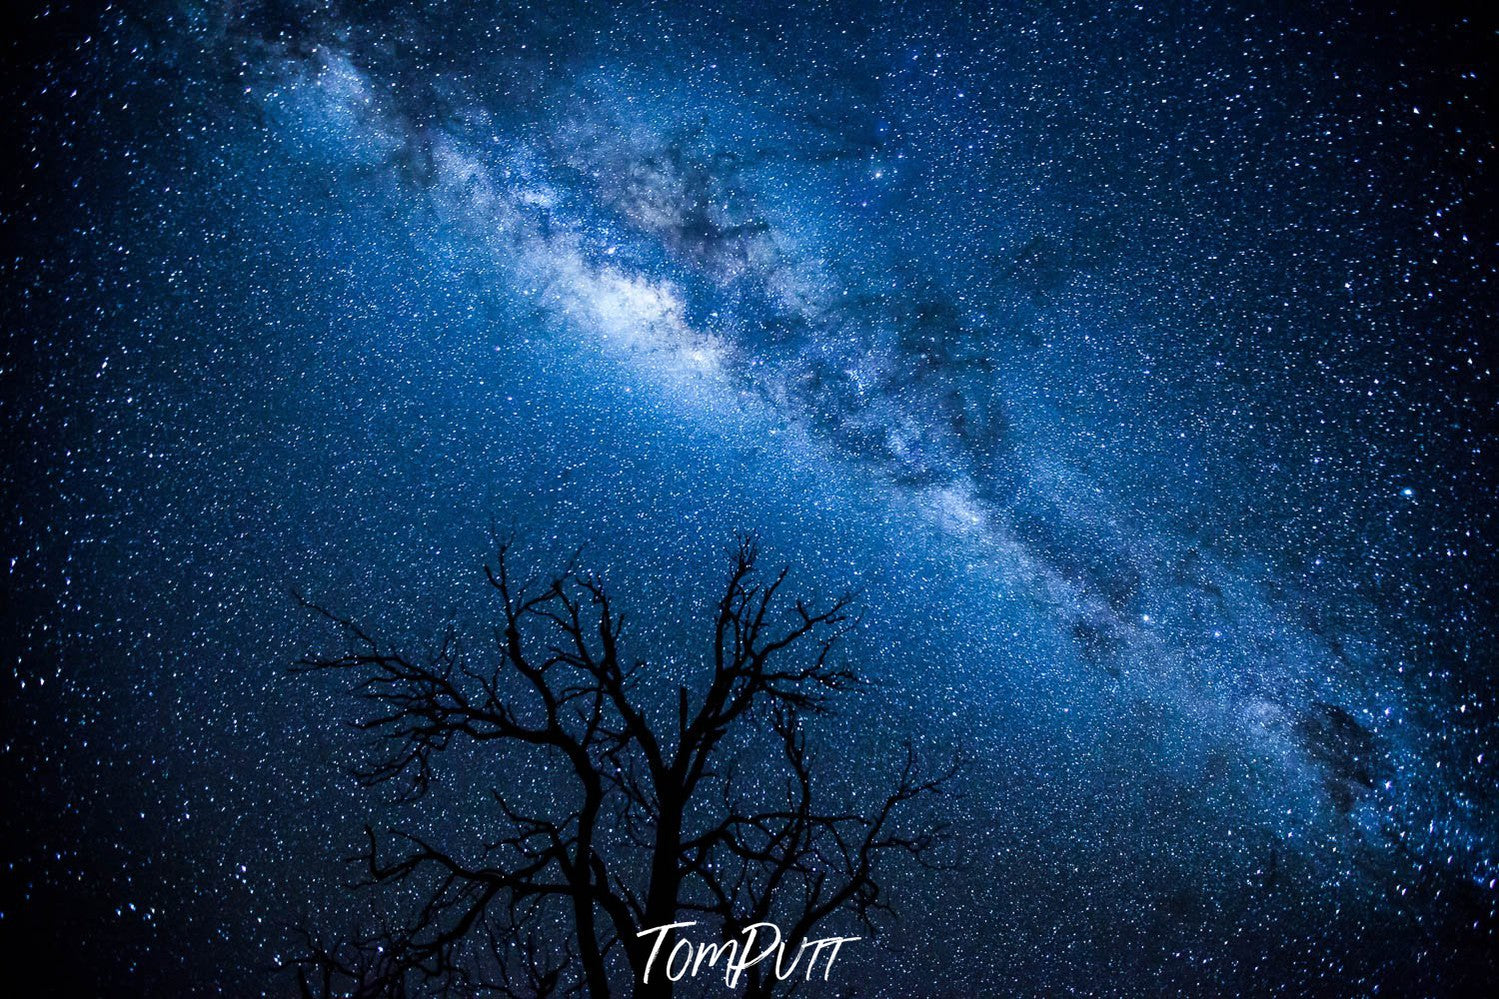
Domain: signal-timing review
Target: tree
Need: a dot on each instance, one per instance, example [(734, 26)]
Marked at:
[(662, 806)]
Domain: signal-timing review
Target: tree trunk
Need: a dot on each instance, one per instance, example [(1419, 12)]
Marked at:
[(661, 900)]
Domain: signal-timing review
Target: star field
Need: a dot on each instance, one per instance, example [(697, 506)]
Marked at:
[(1132, 362)]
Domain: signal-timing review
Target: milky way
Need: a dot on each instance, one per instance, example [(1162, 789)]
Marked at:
[(1128, 362)]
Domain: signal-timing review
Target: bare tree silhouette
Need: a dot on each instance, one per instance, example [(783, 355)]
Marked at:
[(659, 805)]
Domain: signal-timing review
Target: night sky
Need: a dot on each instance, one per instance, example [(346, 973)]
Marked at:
[(1133, 362)]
